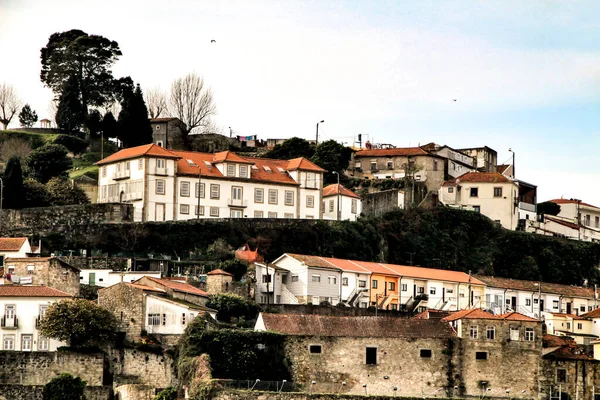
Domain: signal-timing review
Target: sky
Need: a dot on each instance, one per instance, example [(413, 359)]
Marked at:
[(525, 75)]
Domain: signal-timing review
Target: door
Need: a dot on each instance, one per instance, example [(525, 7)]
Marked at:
[(26, 342), (443, 295), (541, 305), (9, 316), (160, 212), (92, 280), (513, 303), (569, 308)]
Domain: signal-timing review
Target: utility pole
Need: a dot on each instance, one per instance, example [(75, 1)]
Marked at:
[(317, 138), (411, 258), (230, 132)]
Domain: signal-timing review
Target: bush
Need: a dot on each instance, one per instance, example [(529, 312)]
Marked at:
[(232, 306), (47, 162), (63, 193), (167, 394), (73, 143), (36, 194), (64, 387)]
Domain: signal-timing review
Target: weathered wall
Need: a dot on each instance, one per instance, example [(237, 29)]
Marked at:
[(18, 392), (379, 203), (114, 263), (127, 305), (46, 271), (132, 366), (256, 395), (330, 310), (582, 378), (219, 284), (38, 368), (135, 392)]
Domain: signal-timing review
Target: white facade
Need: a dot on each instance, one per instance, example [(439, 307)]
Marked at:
[(20, 316), (167, 316), (355, 288), (21, 252), (350, 207), (108, 277)]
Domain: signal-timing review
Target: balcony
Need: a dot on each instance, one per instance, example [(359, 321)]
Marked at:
[(161, 171), (527, 206), (37, 322), (237, 203), (10, 323), (121, 175)]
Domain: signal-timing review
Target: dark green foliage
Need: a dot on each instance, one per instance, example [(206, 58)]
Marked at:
[(134, 127), (236, 353), (36, 194), (70, 114), (93, 123), (332, 156), (63, 193), (548, 208), (109, 126), (235, 267), (72, 143), (47, 162), (14, 192), (79, 322), (85, 58), (230, 306), (27, 117), (64, 387), (89, 292), (292, 148), (167, 394)]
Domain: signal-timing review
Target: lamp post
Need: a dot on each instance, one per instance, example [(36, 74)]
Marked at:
[(339, 212), (513, 163), (317, 140)]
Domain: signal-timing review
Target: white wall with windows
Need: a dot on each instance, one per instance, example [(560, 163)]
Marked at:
[(169, 316), (350, 207)]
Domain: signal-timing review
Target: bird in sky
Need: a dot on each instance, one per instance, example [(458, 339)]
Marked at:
[(453, 99), (213, 41)]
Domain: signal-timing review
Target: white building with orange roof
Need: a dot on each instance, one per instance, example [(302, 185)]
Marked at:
[(341, 203), (18, 247), (166, 185), (576, 220)]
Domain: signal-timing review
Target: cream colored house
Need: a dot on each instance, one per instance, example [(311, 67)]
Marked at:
[(18, 247), (576, 220), (341, 203), (167, 185), (490, 193)]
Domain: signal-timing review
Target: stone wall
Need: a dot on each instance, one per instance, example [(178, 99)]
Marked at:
[(19, 392), (582, 379), (330, 310), (135, 392), (114, 263), (257, 395), (127, 305), (136, 367), (50, 272), (379, 203), (38, 368)]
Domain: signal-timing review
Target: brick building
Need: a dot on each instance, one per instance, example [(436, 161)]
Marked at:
[(48, 271)]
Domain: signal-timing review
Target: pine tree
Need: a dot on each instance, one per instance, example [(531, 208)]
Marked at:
[(27, 117), (134, 126), (109, 126), (70, 114), (14, 193)]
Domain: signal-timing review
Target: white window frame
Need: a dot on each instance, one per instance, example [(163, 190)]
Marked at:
[(230, 169), (160, 186), (289, 198), (215, 191), (259, 195), (184, 189)]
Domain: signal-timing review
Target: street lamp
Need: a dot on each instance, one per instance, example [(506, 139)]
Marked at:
[(339, 212), (513, 163), (320, 122)]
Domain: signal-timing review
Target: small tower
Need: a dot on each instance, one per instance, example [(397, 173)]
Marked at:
[(219, 281)]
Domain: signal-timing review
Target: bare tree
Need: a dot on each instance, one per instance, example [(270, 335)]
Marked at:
[(156, 102), (9, 104), (13, 147), (52, 109), (192, 103)]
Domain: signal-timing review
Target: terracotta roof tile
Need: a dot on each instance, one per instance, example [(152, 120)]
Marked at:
[(134, 152), (557, 341), (436, 274), (515, 316), (229, 156), (479, 177), (335, 189), (219, 272), (571, 201), (179, 286), (473, 313), (592, 314), (565, 315), (320, 325), (143, 287), (403, 151), (562, 222), (12, 244), (303, 164), (30, 291), (274, 174), (531, 286)]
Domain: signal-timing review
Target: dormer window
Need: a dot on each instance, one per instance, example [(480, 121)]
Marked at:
[(243, 171), (230, 169)]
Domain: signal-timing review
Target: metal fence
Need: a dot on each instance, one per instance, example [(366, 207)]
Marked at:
[(258, 385)]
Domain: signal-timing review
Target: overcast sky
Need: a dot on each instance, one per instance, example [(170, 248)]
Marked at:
[(526, 75)]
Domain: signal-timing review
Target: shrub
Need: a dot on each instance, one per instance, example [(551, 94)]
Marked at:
[(64, 387), (167, 394), (232, 306), (73, 143)]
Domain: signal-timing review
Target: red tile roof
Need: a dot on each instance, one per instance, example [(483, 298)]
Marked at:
[(562, 222), (12, 244), (404, 151), (303, 164), (572, 201), (532, 286), (143, 287), (229, 156), (473, 313), (368, 327), (592, 314), (565, 315), (274, 175), (436, 274), (479, 177), (134, 152), (30, 291), (179, 286), (219, 272), (335, 189), (515, 316)]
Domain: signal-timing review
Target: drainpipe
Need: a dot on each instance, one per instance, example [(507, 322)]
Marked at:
[(503, 308), (400, 293)]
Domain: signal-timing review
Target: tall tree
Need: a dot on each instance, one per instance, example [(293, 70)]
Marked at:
[(292, 148), (27, 117), (48, 161), (9, 104), (134, 127), (192, 102), (70, 114), (156, 101), (86, 58), (109, 126), (93, 122), (332, 156), (14, 195)]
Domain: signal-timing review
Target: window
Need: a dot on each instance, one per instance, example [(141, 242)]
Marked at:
[(497, 192), (450, 189), (272, 196), (514, 333), (258, 214), (288, 215), (344, 281), (435, 165), (243, 171), (597, 222), (371, 356), (529, 334), (582, 308), (332, 280), (561, 375), (160, 186), (236, 192), (330, 205), (354, 206), (272, 214), (160, 163), (184, 209), (164, 319), (289, 198), (182, 318), (294, 278), (316, 278), (404, 287), (432, 290), (555, 304), (43, 343), (266, 278), (364, 304), (201, 190), (9, 342), (392, 286), (373, 165), (425, 353), (390, 164), (374, 284), (43, 309), (235, 213), (474, 192), (284, 279), (481, 355), (579, 325), (474, 332), (214, 211), (362, 284), (214, 191), (230, 169), (315, 349), (201, 210), (477, 209), (259, 195), (140, 164), (491, 333), (421, 289), (30, 269), (104, 172), (310, 201), (528, 302), (154, 319)]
